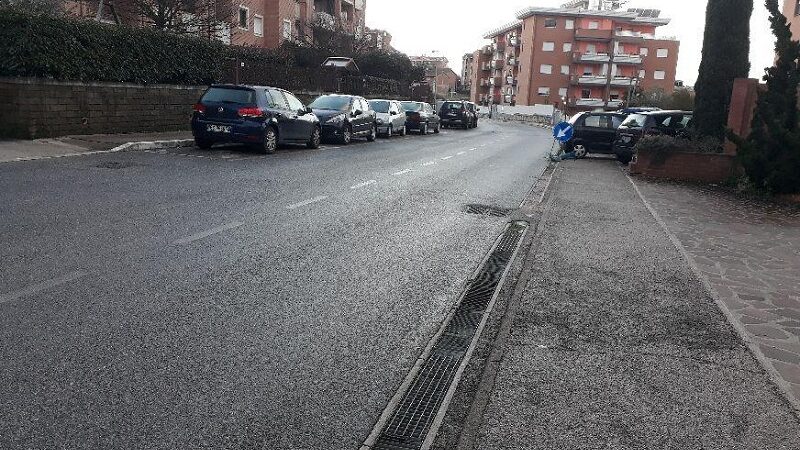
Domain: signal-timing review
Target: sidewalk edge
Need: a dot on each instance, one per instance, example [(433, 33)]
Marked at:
[(777, 379), (126, 147)]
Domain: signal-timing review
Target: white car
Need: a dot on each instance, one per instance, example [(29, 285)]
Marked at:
[(390, 116)]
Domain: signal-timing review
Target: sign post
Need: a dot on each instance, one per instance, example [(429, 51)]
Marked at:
[(562, 133)]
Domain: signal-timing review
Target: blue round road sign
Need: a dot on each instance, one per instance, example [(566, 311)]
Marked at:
[(563, 131)]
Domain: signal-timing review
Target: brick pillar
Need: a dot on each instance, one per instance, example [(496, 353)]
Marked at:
[(743, 103)]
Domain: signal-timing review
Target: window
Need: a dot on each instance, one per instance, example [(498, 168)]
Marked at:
[(258, 25), (797, 9), (287, 29), (659, 75), (548, 46), (244, 17), (294, 103), (570, 25), (587, 71), (594, 25), (564, 70), (642, 74), (586, 93), (592, 121), (544, 91), (591, 49), (562, 92), (546, 69), (644, 51), (550, 23), (567, 47), (662, 53), (276, 99)]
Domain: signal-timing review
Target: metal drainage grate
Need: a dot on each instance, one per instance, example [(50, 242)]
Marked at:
[(410, 422), (487, 210)]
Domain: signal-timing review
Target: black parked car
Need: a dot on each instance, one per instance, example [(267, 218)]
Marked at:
[(421, 117), (455, 114), (472, 108), (258, 115), (345, 117), (594, 132), (671, 123)]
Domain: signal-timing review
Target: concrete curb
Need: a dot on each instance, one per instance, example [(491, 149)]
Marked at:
[(126, 147), (782, 385)]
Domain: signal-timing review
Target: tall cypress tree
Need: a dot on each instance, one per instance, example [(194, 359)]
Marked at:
[(771, 153), (726, 52)]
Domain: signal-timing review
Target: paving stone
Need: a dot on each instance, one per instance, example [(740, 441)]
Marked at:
[(779, 354), (749, 320), (767, 331), (789, 372), (789, 312)]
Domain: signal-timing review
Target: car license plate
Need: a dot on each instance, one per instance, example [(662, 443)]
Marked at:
[(218, 128)]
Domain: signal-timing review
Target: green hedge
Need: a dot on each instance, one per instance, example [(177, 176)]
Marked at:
[(64, 49)]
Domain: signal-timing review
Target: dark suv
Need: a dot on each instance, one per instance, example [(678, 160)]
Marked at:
[(671, 123), (345, 117), (257, 115), (455, 114), (594, 132)]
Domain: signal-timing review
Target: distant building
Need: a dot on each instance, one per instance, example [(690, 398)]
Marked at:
[(259, 23), (467, 69), (575, 58), (378, 40), (436, 67), (791, 9)]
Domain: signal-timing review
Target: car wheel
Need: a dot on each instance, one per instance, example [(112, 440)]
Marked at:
[(373, 133), (437, 128), (624, 159), (347, 135), (203, 144), (403, 131), (423, 129), (580, 150), (315, 139), (270, 141)]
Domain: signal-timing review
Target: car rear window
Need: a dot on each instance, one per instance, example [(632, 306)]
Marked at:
[(452, 106), (230, 95), (412, 106), (332, 102), (635, 121), (381, 106)]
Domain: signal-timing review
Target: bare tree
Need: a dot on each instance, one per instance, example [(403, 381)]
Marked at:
[(49, 7), (195, 17)]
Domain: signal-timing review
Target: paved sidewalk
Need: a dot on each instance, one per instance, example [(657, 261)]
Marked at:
[(615, 343), (23, 150), (749, 254)]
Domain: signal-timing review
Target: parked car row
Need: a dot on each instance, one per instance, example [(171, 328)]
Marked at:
[(268, 117), (618, 132)]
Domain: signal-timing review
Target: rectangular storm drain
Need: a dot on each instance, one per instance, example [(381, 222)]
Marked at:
[(410, 421)]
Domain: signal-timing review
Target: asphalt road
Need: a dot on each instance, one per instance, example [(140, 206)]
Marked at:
[(226, 299)]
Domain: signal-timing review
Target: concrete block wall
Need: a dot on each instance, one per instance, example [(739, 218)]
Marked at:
[(37, 108)]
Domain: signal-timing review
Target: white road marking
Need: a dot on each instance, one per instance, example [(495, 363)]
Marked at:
[(429, 163), (207, 233), (460, 153), (307, 202), (44, 285), (473, 149), (446, 158), (402, 172), (366, 183)]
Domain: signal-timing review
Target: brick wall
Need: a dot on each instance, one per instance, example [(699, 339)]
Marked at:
[(697, 167), (36, 108)]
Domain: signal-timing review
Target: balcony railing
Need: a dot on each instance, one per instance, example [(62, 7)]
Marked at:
[(628, 59), (591, 57), (595, 103), (591, 80), (512, 61), (632, 36), (583, 34), (511, 81), (622, 81), (497, 64)]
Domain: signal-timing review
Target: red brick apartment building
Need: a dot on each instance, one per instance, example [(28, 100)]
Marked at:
[(575, 58), (791, 9), (260, 23)]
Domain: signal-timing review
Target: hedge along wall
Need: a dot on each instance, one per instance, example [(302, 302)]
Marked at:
[(36, 108)]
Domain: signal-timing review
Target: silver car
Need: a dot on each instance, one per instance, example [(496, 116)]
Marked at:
[(391, 117)]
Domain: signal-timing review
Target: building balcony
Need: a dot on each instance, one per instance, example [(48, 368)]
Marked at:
[(622, 81), (628, 59), (591, 57), (632, 36), (589, 80), (511, 81), (496, 81), (497, 64), (514, 42), (582, 34), (509, 99), (487, 50), (498, 46), (512, 61), (486, 66)]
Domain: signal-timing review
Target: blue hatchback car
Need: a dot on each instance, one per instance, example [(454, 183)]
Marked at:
[(257, 115)]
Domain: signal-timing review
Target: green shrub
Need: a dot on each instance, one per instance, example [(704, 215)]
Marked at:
[(667, 144)]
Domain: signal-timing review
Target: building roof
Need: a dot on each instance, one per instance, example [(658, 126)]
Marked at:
[(503, 29), (632, 15)]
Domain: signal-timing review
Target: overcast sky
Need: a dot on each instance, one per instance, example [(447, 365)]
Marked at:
[(455, 27)]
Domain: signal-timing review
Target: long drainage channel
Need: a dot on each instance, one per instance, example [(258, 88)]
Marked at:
[(412, 418)]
